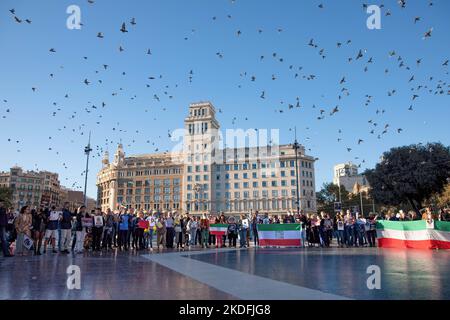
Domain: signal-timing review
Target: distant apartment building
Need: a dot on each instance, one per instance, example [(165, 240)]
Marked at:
[(32, 188), (205, 176), (346, 175), (75, 199)]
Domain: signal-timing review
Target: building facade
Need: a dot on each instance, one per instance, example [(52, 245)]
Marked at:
[(32, 188), (147, 182), (206, 176), (75, 199), (346, 175)]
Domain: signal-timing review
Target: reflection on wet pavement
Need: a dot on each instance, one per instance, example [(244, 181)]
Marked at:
[(405, 274), (103, 276)]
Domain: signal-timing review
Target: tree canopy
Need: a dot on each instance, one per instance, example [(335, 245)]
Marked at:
[(410, 174), (6, 196)]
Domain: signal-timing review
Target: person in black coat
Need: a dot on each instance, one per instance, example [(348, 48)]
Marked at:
[(38, 230), (3, 225)]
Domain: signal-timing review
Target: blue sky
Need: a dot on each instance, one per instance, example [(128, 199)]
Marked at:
[(142, 122)]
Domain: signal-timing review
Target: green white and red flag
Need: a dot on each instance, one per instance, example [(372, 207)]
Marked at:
[(218, 229), (413, 234), (280, 235)]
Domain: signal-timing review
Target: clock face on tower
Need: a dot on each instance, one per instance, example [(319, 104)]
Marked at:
[(198, 188)]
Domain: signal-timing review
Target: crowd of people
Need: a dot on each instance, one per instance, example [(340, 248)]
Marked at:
[(65, 231)]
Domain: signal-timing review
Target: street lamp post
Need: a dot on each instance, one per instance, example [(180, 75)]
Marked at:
[(87, 151), (296, 146), (197, 190)]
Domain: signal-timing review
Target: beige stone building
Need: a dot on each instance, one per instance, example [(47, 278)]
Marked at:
[(75, 199), (148, 182), (206, 176), (32, 188)]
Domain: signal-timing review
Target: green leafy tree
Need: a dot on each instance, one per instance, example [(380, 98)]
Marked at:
[(410, 174), (6, 196), (328, 195)]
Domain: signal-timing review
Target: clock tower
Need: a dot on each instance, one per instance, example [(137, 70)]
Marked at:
[(201, 140)]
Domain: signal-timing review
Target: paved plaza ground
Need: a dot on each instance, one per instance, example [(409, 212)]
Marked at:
[(210, 274)]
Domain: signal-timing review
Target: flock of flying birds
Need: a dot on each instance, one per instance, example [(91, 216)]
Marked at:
[(430, 86)]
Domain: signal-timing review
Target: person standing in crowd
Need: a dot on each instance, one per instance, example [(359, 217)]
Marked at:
[(348, 231), (10, 228), (161, 232), (38, 222), (187, 230), (108, 230), (180, 229), (74, 230), (223, 220), (66, 228), (340, 226), (140, 227), (23, 225), (232, 232), (3, 225), (193, 227), (115, 235), (151, 229), (80, 229), (97, 229), (445, 214), (327, 230), (308, 229), (123, 230), (211, 237), (132, 230), (303, 222), (219, 238), (130, 227), (51, 232), (198, 236), (248, 219), (204, 227), (322, 229), (372, 232), (361, 230), (170, 230), (315, 225), (243, 227)]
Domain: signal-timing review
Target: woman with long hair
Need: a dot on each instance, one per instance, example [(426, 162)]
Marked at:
[(38, 223), (23, 227)]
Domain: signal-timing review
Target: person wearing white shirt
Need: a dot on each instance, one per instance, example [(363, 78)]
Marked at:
[(151, 226)]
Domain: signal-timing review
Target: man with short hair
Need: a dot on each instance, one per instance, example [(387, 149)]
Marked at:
[(3, 224), (97, 229), (51, 232), (170, 231), (66, 228)]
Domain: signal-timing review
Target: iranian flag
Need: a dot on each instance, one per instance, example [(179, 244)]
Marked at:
[(288, 234), (413, 234), (218, 229)]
